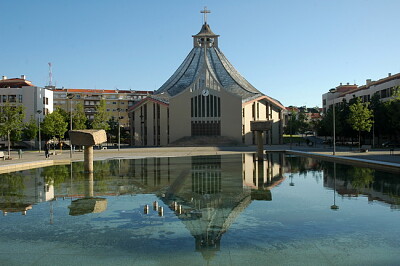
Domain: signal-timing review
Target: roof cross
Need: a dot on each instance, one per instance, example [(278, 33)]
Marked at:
[(205, 11)]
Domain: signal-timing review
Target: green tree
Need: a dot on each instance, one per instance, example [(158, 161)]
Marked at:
[(101, 117), (54, 125), (79, 119), (64, 114), (11, 121), (31, 129), (360, 118)]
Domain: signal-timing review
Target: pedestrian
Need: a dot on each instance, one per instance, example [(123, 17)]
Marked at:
[(46, 149)]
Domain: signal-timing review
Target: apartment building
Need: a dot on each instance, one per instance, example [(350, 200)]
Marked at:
[(385, 88), (117, 101), (37, 101)]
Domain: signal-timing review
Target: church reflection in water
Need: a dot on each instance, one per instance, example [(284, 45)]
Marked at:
[(212, 190)]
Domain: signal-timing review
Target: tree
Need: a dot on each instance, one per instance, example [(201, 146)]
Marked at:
[(64, 114), (360, 118), (101, 117), (54, 125), (392, 110), (31, 129), (79, 119), (11, 121)]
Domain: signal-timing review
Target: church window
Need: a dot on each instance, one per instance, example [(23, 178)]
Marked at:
[(253, 110), (199, 105), (219, 107), (203, 113), (208, 106), (191, 107), (212, 105), (195, 106), (167, 125), (258, 110)]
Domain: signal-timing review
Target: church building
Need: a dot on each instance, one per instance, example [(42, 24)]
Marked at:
[(206, 96)]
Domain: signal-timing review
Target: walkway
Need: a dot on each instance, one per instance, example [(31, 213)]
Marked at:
[(33, 159)]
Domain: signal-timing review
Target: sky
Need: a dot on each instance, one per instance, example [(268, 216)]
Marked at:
[(291, 50)]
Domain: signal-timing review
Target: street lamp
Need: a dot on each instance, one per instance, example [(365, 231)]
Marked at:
[(290, 128), (40, 140), (334, 206), (334, 127), (70, 96), (119, 130)]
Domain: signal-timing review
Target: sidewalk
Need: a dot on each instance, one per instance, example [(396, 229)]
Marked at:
[(32, 159)]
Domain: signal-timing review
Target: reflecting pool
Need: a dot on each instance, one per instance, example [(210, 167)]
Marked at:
[(218, 210)]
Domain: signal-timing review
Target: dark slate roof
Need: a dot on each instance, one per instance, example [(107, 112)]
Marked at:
[(219, 67)]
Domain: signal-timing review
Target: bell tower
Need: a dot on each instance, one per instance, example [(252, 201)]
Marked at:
[(205, 38)]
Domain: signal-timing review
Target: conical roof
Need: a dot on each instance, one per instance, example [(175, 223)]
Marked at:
[(218, 66), (205, 31)]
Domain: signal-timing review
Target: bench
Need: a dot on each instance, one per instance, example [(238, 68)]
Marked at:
[(365, 148), (4, 156)]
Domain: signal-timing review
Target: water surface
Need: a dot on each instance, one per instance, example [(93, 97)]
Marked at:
[(286, 210)]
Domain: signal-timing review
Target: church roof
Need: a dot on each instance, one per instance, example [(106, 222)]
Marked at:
[(218, 66), (205, 31)]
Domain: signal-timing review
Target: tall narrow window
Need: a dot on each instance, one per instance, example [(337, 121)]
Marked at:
[(215, 107), (199, 105), (191, 107), (211, 105), (208, 105), (195, 106), (219, 107), (203, 108), (258, 110)]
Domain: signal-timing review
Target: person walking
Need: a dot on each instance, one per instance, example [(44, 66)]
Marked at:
[(46, 149)]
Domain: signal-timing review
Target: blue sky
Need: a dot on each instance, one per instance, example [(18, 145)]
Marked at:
[(293, 51)]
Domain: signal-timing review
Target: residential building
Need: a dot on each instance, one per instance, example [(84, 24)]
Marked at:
[(117, 101), (37, 101), (384, 87)]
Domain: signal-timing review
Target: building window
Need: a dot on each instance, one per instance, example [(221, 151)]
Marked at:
[(12, 98), (4, 98), (258, 110), (20, 98)]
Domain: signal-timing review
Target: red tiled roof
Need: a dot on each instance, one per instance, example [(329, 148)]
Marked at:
[(15, 83), (101, 91)]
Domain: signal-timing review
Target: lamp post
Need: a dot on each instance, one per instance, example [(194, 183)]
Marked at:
[(334, 206), (119, 130), (39, 138), (334, 126), (70, 97), (290, 128)]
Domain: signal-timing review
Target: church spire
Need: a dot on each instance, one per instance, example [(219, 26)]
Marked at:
[(205, 12), (205, 37)]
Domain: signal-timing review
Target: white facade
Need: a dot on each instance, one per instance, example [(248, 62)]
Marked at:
[(385, 87), (33, 98)]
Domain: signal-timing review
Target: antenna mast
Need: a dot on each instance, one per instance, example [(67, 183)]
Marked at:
[(50, 75)]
